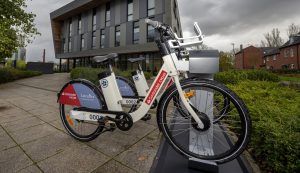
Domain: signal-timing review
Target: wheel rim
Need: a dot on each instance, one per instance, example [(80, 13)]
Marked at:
[(78, 128), (230, 129)]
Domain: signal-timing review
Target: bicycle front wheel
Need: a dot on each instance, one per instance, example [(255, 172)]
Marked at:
[(220, 141)]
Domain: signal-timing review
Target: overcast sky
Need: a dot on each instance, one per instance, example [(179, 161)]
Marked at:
[(223, 21)]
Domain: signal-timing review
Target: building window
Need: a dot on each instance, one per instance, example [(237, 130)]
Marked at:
[(70, 28), (94, 22), (274, 57), (292, 66), (107, 15), (79, 24), (94, 39), (150, 33), (81, 42), (136, 32), (64, 44), (267, 58), (264, 61), (70, 36), (117, 36), (129, 10), (151, 8), (286, 53), (70, 45), (292, 52), (102, 38), (175, 10)]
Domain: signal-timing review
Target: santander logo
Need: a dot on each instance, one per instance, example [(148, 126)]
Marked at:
[(158, 83)]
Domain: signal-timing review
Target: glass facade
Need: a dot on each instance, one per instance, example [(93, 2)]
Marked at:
[(107, 15), (79, 25), (102, 38), (81, 42), (136, 32), (151, 7), (129, 10), (150, 33), (117, 36)]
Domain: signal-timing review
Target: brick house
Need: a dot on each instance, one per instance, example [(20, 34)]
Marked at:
[(285, 57), (250, 57)]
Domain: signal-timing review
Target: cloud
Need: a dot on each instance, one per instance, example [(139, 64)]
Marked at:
[(231, 20), (222, 21), (42, 9)]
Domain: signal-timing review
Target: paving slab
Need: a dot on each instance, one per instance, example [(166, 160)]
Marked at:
[(140, 156), (6, 142), (33, 133), (114, 167), (14, 117), (48, 146), (30, 169), (13, 159), (49, 117), (76, 158), (21, 124), (113, 143), (31, 117)]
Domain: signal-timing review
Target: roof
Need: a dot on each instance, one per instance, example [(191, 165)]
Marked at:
[(75, 7), (271, 52), (264, 49), (294, 40)]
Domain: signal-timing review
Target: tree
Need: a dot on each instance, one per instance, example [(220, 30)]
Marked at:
[(293, 30), (272, 39), (17, 27), (226, 61)]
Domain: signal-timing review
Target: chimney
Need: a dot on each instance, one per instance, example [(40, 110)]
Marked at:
[(241, 47), (44, 54)]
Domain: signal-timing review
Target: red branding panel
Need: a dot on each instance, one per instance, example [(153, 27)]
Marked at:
[(69, 96), (162, 76)]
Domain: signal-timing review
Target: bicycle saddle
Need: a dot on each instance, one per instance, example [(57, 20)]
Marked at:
[(132, 60), (104, 58)]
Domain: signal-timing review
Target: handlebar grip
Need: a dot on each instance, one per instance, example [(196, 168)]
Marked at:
[(155, 24)]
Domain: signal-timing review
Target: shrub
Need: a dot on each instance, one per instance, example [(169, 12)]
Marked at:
[(236, 76), (275, 119), (90, 74), (10, 74), (9, 63), (21, 65)]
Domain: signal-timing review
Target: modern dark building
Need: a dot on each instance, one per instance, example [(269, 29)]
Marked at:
[(83, 29)]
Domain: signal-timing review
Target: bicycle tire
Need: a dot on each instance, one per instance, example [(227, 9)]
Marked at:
[(228, 155), (66, 120)]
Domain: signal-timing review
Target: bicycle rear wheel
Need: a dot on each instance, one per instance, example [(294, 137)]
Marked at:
[(75, 94), (220, 141)]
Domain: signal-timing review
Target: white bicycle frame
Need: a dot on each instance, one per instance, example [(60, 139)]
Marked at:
[(172, 67)]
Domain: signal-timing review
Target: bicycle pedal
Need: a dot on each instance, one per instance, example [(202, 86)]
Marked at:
[(147, 117)]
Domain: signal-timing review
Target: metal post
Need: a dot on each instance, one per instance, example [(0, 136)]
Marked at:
[(68, 65), (59, 65), (74, 63)]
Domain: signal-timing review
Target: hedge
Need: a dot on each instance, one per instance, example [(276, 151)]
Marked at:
[(275, 113), (11, 74), (91, 74), (236, 76)]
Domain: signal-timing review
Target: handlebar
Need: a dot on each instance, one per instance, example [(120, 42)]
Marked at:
[(176, 43), (153, 23)]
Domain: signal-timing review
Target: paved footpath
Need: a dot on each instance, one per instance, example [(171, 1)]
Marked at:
[(33, 139)]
